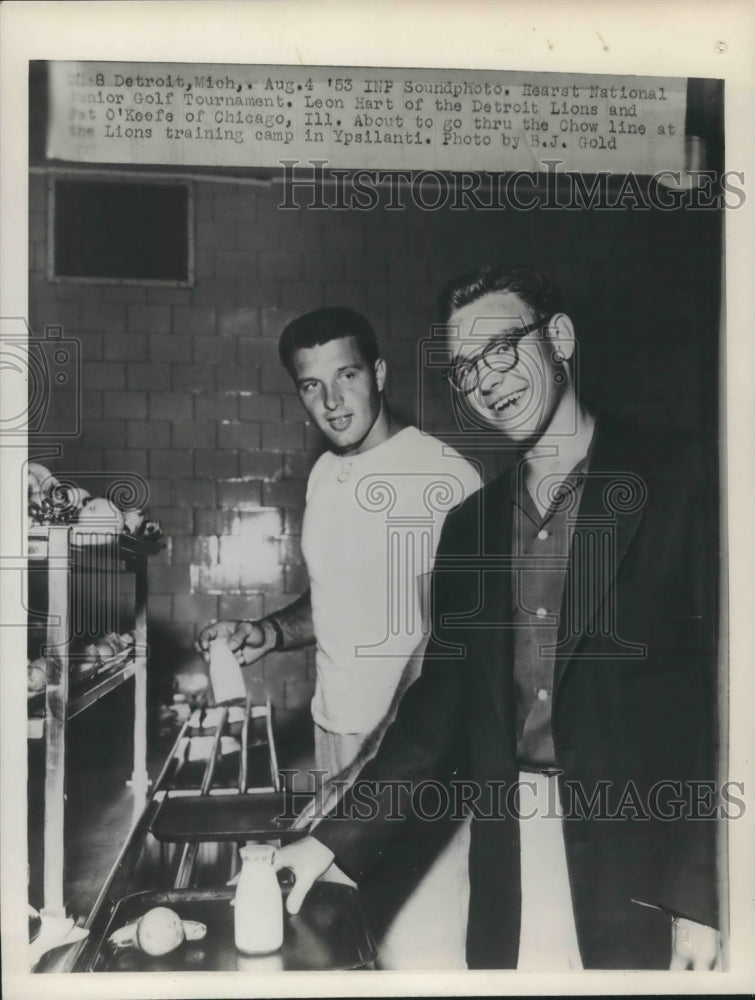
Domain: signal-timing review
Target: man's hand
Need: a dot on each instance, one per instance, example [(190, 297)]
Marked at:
[(694, 946), (308, 859), (249, 641)]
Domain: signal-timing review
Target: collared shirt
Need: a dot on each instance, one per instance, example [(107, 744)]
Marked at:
[(543, 542)]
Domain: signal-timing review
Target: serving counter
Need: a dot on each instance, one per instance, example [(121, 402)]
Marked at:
[(218, 789)]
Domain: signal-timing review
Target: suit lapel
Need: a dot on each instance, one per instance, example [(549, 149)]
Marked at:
[(611, 511), (496, 645)]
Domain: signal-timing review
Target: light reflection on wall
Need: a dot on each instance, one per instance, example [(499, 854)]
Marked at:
[(245, 558)]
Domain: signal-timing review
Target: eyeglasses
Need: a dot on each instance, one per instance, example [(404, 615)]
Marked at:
[(501, 355)]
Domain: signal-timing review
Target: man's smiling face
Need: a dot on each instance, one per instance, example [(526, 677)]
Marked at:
[(517, 385), (340, 391)]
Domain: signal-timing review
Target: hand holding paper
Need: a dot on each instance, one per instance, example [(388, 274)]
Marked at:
[(225, 673)]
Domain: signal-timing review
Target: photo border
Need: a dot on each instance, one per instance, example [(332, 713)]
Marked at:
[(665, 38)]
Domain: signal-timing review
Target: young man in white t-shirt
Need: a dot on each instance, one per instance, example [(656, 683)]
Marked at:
[(376, 501)]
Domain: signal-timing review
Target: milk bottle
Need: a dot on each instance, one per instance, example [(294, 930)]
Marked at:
[(258, 905)]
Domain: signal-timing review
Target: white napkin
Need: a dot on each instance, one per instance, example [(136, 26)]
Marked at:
[(225, 673)]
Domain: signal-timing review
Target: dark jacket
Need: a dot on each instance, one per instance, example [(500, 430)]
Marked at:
[(633, 706)]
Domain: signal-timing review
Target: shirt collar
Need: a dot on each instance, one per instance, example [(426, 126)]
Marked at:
[(570, 450)]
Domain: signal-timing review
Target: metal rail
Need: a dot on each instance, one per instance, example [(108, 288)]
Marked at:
[(244, 762), (274, 773), (189, 853)]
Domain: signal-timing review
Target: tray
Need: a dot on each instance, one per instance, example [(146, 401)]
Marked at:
[(203, 722), (226, 817), (184, 773), (329, 932)]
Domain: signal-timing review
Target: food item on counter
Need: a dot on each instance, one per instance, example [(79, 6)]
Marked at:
[(68, 499), (35, 514), (152, 530), (36, 675), (119, 641), (133, 521), (49, 501), (92, 653), (35, 496), (82, 496), (56, 511), (194, 930), (158, 932), (106, 648), (40, 481), (34, 493), (53, 502), (40, 472), (81, 667), (98, 517), (258, 904)]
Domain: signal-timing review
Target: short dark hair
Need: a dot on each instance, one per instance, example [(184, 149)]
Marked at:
[(323, 325), (534, 290)]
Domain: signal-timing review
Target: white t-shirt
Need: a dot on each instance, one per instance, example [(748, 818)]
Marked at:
[(371, 527)]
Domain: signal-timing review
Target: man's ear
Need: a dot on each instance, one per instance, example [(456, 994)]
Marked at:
[(560, 333), (381, 372)]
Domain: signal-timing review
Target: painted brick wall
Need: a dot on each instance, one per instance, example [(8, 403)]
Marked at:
[(184, 387)]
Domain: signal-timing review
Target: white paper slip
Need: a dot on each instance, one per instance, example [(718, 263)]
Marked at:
[(225, 673)]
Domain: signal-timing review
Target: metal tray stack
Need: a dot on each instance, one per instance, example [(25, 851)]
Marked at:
[(218, 788), (219, 784), (328, 933)]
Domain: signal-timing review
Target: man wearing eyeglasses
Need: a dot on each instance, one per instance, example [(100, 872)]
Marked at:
[(571, 664)]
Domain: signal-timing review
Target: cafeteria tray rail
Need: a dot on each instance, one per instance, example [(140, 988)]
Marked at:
[(228, 750)]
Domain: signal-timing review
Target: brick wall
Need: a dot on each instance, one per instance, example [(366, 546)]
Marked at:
[(184, 387)]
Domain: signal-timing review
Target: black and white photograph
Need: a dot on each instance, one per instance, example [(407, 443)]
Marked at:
[(376, 453)]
